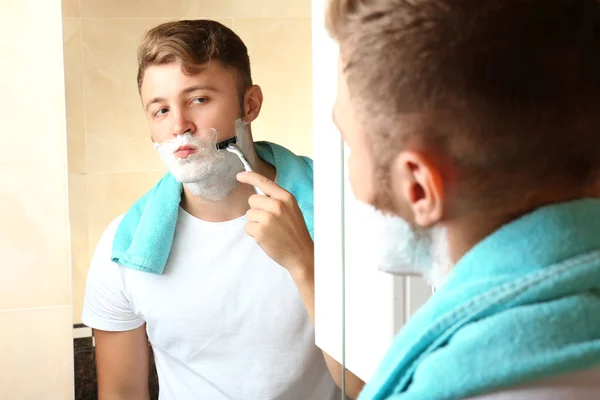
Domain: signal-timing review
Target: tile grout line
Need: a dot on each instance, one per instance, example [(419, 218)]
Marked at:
[(33, 308), (184, 17), (83, 95), (124, 172), (85, 148)]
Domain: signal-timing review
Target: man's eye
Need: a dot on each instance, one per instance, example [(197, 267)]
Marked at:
[(161, 112)]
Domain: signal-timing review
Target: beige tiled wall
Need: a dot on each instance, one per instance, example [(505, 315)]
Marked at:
[(111, 159), (36, 356)]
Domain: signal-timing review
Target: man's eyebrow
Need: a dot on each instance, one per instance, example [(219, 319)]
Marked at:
[(187, 90), (152, 101), (199, 87)]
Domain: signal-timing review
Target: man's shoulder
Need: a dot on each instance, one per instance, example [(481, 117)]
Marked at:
[(104, 245), (281, 156), (577, 385), (111, 229)]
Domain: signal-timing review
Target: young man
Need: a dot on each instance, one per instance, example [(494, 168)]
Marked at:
[(474, 126), (217, 278)]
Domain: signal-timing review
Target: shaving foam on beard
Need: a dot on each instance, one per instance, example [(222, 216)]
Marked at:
[(396, 247), (206, 172)]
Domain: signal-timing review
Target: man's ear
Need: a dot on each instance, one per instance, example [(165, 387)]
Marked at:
[(417, 185), (253, 99)]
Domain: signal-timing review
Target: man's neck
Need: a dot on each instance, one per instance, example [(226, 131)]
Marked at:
[(233, 206), (464, 233)]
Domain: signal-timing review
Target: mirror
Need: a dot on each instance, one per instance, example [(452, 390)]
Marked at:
[(348, 289), (368, 334), (112, 162)]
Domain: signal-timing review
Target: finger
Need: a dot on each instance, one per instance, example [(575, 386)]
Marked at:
[(265, 203), (253, 230), (250, 228), (269, 187), (258, 216)]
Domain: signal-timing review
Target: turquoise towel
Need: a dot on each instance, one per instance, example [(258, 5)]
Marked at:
[(522, 305), (144, 236)]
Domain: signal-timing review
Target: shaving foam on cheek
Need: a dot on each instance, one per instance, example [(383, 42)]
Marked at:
[(202, 169)]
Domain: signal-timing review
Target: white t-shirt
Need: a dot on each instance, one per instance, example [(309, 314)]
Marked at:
[(224, 320)]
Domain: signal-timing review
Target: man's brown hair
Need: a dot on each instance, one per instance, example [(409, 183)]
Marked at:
[(508, 90), (194, 43)]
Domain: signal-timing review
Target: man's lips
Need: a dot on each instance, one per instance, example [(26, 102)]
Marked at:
[(185, 151)]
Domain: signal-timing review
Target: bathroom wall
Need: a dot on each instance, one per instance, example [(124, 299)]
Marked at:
[(111, 159), (36, 356)]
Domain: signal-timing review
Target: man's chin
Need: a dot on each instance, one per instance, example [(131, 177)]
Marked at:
[(186, 179), (193, 175), (209, 192)]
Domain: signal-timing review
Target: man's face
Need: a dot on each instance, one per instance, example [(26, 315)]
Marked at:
[(188, 115), (175, 102), (370, 182), (394, 243), (360, 163)]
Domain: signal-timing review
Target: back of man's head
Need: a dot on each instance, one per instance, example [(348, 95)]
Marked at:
[(507, 92)]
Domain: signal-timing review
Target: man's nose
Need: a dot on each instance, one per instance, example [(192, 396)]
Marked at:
[(182, 124)]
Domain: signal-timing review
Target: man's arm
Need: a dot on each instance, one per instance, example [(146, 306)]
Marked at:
[(121, 344), (304, 278), (277, 224), (122, 360)]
